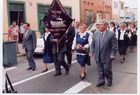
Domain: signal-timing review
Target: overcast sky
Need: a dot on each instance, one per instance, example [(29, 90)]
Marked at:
[(131, 3)]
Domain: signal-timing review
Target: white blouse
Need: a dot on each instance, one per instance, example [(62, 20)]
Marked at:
[(81, 35), (122, 34)]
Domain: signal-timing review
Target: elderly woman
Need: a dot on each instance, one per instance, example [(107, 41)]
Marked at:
[(123, 41), (81, 42), (47, 55), (133, 37)]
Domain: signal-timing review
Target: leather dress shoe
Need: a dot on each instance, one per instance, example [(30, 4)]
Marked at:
[(100, 84), (109, 83), (33, 69), (57, 74), (44, 70), (69, 65), (29, 68), (67, 71)]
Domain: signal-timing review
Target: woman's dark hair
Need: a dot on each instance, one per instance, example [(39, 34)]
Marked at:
[(112, 24), (27, 24)]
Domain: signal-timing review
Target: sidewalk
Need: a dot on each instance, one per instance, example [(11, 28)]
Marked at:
[(22, 51)]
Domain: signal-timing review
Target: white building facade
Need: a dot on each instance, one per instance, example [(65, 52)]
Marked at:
[(118, 11)]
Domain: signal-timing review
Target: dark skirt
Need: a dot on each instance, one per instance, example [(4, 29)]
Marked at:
[(122, 46), (82, 59), (47, 58), (133, 40)]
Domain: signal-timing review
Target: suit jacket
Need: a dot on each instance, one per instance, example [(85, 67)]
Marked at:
[(109, 46), (30, 41), (70, 35), (61, 46)]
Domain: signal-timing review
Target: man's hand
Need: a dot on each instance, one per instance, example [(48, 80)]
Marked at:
[(112, 57), (91, 54), (72, 51), (66, 41), (55, 40)]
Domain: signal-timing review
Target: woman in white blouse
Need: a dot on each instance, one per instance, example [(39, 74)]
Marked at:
[(123, 40), (82, 42), (47, 55)]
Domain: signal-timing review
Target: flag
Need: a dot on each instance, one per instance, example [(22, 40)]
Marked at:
[(57, 20)]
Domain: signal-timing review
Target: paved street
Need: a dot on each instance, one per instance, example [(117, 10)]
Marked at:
[(125, 77)]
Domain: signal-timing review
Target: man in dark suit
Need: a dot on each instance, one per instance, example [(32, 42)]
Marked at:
[(104, 48), (29, 43), (59, 50), (70, 36)]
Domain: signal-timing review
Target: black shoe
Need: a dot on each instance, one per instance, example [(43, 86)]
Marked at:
[(57, 74), (33, 69), (29, 68), (67, 71), (69, 65), (83, 77), (124, 58), (109, 83), (122, 61), (44, 70), (100, 84)]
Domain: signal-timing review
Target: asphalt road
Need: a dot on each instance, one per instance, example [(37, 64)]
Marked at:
[(124, 77)]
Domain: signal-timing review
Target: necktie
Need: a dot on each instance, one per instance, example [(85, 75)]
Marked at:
[(101, 39)]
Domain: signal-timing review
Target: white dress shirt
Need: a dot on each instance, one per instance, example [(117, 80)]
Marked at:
[(22, 30), (26, 33), (46, 35)]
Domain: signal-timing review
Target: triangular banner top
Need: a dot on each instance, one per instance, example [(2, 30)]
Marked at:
[(57, 20)]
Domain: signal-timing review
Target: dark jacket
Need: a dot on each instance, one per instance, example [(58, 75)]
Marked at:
[(48, 45), (70, 35)]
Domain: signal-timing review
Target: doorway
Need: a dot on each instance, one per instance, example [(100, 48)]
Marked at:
[(17, 13), (17, 16)]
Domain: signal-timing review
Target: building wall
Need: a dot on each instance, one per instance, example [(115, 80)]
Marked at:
[(115, 9), (31, 11), (101, 8), (86, 5), (121, 11), (108, 9)]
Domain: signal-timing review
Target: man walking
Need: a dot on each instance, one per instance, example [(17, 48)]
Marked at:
[(29, 43), (104, 48), (59, 55), (70, 36)]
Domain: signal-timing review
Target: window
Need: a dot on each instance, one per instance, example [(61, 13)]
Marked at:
[(127, 17), (43, 8), (15, 7), (68, 10), (121, 6), (91, 4), (88, 3), (115, 5), (84, 2), (88, 17), (16, 12)]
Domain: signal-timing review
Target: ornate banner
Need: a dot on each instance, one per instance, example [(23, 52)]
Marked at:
[(57, 19)]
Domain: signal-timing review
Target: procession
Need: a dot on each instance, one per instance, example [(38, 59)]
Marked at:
[(71, 50)]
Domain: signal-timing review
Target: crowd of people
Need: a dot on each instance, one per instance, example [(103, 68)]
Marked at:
[(103, 44)]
